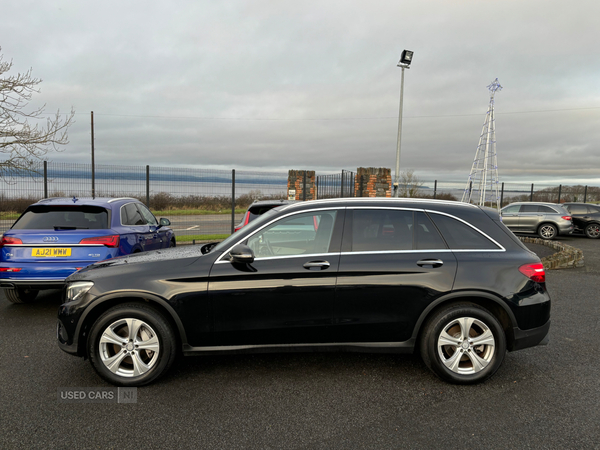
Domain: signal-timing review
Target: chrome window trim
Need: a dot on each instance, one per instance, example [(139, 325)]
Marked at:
[(303, 255), (400, 208), (387, 252), (500, 247), (220, 258)]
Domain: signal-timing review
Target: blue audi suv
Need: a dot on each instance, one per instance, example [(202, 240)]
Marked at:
[(55, 237)]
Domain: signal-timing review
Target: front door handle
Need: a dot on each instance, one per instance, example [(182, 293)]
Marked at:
[(321, 265), (430, 262)]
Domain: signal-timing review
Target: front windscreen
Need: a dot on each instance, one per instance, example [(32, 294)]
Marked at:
[(45, 217)]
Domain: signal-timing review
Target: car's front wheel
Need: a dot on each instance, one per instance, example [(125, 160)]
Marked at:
[(463, 344), (19, 295), (592, 231), (131, 345), (547, 231)]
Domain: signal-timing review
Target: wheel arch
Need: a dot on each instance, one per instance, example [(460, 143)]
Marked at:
[(499, 309), (104, 303)]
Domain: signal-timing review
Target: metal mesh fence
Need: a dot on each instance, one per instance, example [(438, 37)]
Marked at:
[(202, 203)]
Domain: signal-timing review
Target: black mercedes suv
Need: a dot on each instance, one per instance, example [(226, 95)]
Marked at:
[(445, 279)]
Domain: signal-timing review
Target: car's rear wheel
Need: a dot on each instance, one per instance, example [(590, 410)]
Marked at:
[(593, 231), (463, 344), (19, 295), (547, 231), (131, 345)]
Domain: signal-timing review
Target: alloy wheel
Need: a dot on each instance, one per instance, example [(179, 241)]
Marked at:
[(592, 231), (129, 347), (466, 346), (547, 231)]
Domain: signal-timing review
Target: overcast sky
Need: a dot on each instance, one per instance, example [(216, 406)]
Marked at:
[(275, 85)]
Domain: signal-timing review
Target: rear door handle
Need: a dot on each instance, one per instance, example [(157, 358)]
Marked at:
[(430, 262), (321, 265)]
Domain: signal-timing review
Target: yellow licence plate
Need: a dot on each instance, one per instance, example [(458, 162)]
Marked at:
[(50, 252)]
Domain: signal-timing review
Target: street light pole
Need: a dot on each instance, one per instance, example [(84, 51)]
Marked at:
[(404, 63)]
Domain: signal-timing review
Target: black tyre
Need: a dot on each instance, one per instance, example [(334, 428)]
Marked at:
[(131, 345), (463, 344), (172, 243), (547, 231), (19, 295), (592, 231)]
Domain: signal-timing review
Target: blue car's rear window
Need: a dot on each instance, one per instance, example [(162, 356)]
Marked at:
[(44, 217)]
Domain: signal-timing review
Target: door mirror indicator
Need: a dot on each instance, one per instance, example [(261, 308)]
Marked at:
[(241, 254)]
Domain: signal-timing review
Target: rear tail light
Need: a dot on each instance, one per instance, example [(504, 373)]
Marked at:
[(245, 221), (107, 241), (8, 240), (535, 272), (10, 269), (566, 217)]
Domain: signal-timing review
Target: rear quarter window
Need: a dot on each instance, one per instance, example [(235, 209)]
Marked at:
[(461, 236), (45, 217)]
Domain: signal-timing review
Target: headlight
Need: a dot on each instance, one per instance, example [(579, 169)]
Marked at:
[(75, 291)]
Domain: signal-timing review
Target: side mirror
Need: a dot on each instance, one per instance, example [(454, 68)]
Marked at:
[(241, 254), (164, 223)]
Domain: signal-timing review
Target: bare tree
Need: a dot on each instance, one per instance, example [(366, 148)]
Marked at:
[(22, 141), (409, 184)]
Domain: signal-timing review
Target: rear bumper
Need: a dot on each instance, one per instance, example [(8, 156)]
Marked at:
[(34, 283), (38, 276), (530, 338)]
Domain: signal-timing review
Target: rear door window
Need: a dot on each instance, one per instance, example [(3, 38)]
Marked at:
[(529, 208), (46, 217), (427, 236)]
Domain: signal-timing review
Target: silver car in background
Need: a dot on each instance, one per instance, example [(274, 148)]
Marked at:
[(547, 220)]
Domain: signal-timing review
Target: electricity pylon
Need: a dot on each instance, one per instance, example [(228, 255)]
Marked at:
[(482, 185)]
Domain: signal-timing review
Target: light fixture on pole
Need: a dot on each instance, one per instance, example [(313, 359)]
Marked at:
[(404, 63)]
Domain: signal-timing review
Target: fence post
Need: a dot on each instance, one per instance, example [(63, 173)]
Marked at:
[(148, 186), (342, 186), (304, 187), (435, 189), (232, 200), (46, 179), (470, 189), (531, 195), (502, 196), (559, 189)]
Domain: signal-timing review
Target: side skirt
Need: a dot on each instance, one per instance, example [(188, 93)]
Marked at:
[(366, 347)]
